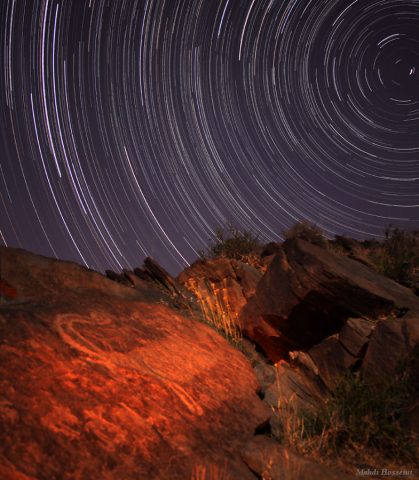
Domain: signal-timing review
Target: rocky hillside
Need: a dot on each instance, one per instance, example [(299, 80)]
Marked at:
[(100, 380), (119, 377)]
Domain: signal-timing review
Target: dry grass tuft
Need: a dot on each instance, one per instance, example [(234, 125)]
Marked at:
[(354, 417), (216, 313)]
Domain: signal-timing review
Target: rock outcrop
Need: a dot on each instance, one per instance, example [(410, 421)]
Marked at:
[(114, 377), (308, 294), (319, 315), (222, 286), (100, 380)]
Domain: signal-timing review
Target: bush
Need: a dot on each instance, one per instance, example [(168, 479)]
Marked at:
[(358, 414), (306, 231), (355, 416), (229, 242), (398, 256)]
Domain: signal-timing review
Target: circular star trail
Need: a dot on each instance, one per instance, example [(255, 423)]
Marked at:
[(133, 128)]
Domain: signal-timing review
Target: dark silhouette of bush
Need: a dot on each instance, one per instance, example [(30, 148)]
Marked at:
[(230, 242), (306, 231), (398, 255)]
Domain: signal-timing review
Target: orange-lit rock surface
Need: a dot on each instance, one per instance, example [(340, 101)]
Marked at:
[(222, 286), (101, 381)]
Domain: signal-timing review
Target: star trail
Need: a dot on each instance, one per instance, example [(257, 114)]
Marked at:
[(133, 128)]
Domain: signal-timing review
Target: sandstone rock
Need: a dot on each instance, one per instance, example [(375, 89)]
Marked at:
[(99, 381), (271, 461), (308, 293), (158, 274), (302, 359), (119, 277), (153, 276), (355, 335), (297, 388), (393, 345), (214, 270), (248, 278), (134, 279), (41, 278), (394, 349), (222, 286), (331, 360)]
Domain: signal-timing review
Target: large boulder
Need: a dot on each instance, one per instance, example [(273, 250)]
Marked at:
[(331, 359), (355, 335), (318, 315), (394, 346), (308, 293), (98, 380), (297, 387)]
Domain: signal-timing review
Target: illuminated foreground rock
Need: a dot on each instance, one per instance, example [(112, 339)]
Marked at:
[(99, 380)]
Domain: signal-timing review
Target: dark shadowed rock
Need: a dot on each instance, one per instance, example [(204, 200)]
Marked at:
[(308, 293), (134, 279), (393, 346), (119, 277), (153, 276), (99, 381), (355, 335), (271, 461), (327, 314), (331, 360), (153, 271), (248, 278), (300, 386)]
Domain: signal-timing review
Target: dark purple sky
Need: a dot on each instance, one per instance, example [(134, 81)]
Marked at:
[(133, 128)]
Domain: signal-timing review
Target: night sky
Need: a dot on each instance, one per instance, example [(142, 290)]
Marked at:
[(133, 128)]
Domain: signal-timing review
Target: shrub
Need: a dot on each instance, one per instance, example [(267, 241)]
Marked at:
[(358, 414), (355, 415), (230, 242), (306, 231), (398, 256)]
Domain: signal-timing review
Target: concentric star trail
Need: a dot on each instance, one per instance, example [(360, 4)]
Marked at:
[(133, 128)]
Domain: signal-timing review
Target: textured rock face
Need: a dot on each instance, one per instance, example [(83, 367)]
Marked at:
[(97, 381), (331, 360), (355, 334), (318, 315), (223, 286), (393, 345), (308, 293)]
